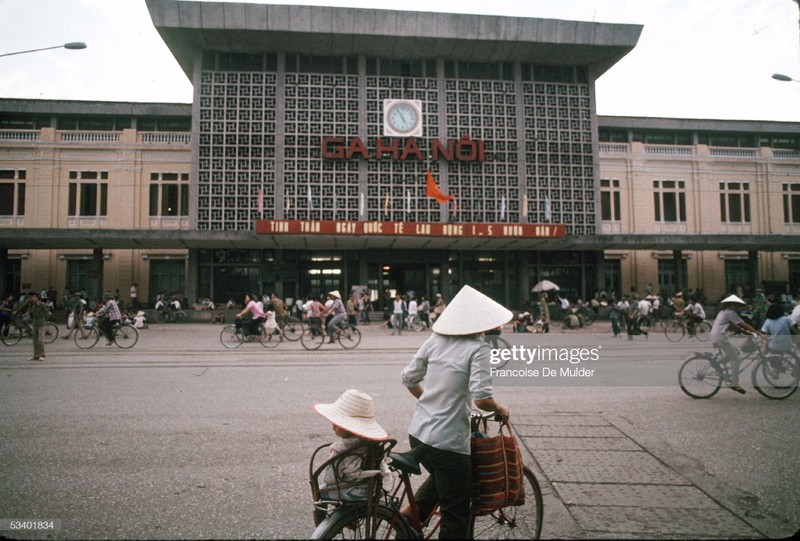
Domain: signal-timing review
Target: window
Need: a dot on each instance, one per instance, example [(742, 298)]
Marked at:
[(737, 273), (734, 202), (791, 203), (609, 199), (12, 192), (668, 278), (87, 197), (169, 194), (669, 198)]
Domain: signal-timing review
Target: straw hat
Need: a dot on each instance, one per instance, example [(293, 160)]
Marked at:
[(335, 294), (732, 298), (354, 412), (471, 312)]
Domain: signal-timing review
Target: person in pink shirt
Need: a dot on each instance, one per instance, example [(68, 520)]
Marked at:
[(256, 313)]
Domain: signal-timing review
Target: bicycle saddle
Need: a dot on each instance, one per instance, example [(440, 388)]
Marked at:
[(408, 461)]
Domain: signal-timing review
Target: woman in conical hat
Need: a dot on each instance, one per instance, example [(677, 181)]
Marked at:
[(719, 337), (448, 376)]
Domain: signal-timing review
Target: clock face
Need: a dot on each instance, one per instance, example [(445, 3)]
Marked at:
[(403, 117)]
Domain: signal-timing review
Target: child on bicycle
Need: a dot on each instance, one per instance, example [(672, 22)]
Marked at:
[(353, 418)]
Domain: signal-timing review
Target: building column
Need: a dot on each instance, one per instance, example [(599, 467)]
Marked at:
[(94, 282), (192, 272), (4, 286), (680, 279), (752, 263)]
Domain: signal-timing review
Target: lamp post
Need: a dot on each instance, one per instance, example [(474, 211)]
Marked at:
[(73, 45)]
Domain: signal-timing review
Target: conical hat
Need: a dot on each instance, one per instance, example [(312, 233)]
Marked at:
[(354, 412), (471, 312), (732, 298)]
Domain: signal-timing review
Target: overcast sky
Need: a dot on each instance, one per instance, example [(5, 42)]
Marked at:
[(695, 58)]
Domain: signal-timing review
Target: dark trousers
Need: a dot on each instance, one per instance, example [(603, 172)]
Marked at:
[(449, 485)]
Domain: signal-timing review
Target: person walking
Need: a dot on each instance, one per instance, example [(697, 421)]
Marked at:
[(448, 375), (134, 297), (399, 309), (77, 309), (39, 316)]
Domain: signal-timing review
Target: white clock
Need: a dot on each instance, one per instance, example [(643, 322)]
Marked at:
[(402, 118)]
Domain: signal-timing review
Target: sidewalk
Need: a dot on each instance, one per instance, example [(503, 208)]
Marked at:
[(598, 483)]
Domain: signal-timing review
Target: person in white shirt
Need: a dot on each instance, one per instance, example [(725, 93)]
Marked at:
[(694, 312), (795, 315)]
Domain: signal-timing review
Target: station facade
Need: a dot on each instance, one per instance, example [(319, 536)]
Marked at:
[(332, 148)]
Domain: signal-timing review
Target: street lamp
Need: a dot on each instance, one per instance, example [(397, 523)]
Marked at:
[(782, 77), (71, 45)]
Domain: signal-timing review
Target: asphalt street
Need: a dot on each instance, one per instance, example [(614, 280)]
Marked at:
[(180, 438)]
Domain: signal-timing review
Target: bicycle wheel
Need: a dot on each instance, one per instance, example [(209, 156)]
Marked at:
[(776, 376), (270, 339), (50, 332), (674, 331), (231, 337), (349, 337), (588, 316), (10, 334), (293, 329), (699, 376), (502, 344), (180, 316), (515, 521), (701, 331), (312, 338), (415, 324), (350, 522), (126, 336), (91, 335)]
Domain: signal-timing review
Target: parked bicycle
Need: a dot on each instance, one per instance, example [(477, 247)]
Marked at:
[(170, 315), (774, 375), (679, 327), (313, 337), (232, 336), (415, 323), (125, 335), (377, 515), (12, 333)]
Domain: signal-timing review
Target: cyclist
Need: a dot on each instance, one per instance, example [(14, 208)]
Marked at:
[(694, 313), (719, 338), (110, 310), (256, 316), (7, 311), (448, 373), (780, 329), (339, 313)]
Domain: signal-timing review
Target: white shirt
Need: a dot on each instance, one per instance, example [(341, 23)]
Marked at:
[(412, 308), (644, 307), (795, 315)]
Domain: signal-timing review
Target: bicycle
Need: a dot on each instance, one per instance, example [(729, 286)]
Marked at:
[(125, 335), (415, 323), (232, 336), (774, 375), (348, 336), (495, 341), (293, 329), (377, 515), (12, 333), (677, 328), (170, 315)]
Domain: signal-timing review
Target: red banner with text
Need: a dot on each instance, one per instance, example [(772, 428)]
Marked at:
[(422, 229)]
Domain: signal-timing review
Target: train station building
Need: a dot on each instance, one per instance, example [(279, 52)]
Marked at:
[(340, 148)]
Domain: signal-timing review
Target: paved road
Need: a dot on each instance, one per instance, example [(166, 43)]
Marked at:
[(181, 438)]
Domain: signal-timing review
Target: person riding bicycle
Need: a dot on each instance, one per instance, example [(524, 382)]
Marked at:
[(339, 313), (353, 419), (251, 327), (693, 313), (719, 338), (109, 315), (782, 330), (7, 310), (447, 375)]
